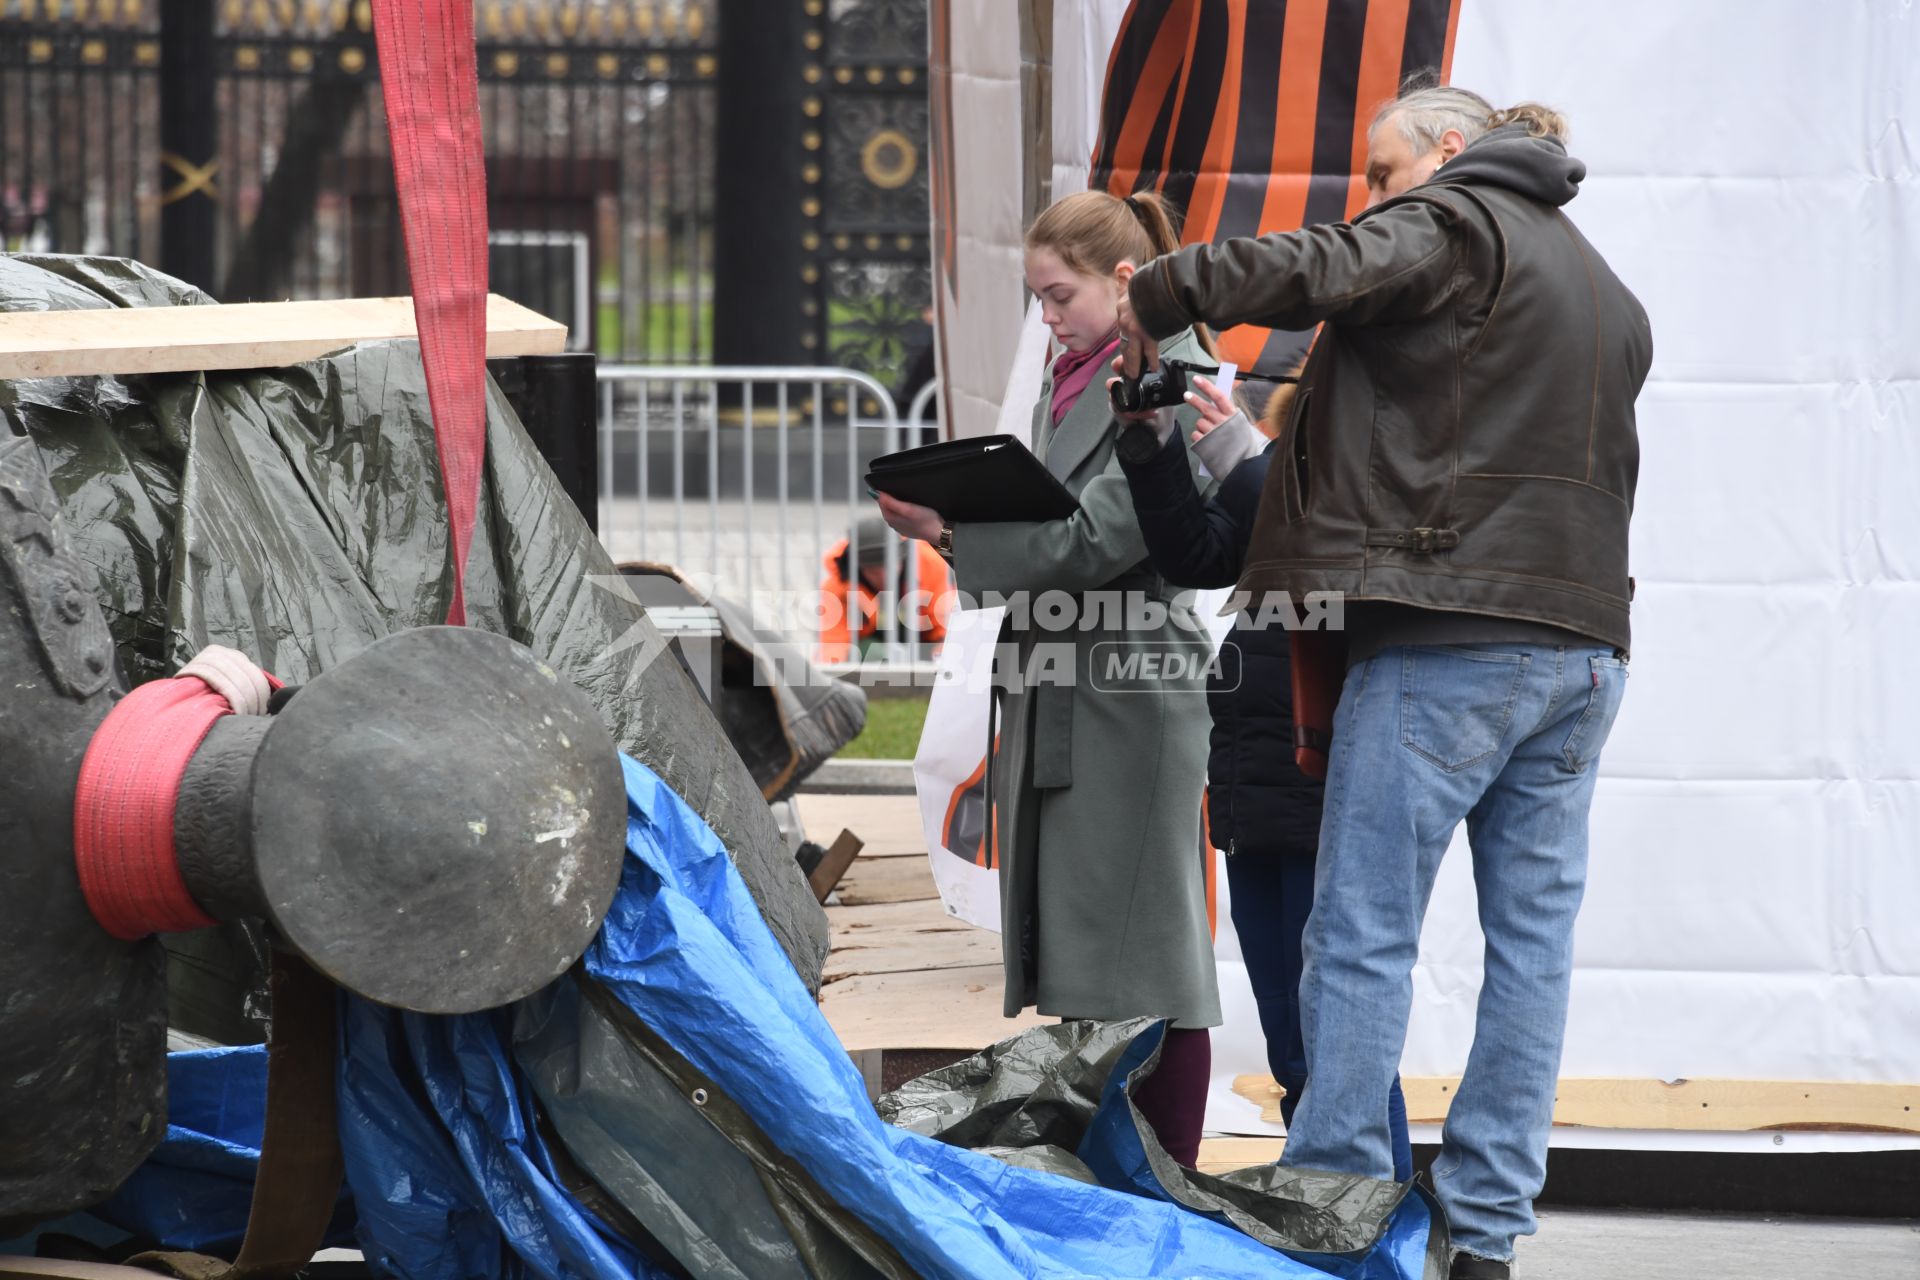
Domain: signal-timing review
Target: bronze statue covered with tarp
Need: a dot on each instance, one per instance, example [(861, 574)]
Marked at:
[(294, 516), (434, 819)]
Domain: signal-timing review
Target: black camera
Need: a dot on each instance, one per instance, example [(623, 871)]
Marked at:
[(1161, 388)]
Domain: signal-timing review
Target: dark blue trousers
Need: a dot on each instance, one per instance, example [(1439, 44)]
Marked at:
[(1272, 892)]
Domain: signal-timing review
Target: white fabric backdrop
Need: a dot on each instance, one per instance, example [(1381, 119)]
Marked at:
[(1755, 881), (1083, 35), (977, 320)]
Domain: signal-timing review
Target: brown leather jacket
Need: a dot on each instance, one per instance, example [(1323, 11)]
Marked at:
[(1463, 438)]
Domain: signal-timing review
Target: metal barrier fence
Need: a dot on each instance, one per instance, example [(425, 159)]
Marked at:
[(746, 478), (917, 411)]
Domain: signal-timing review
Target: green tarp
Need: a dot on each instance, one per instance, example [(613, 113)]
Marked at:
[(296, 515)]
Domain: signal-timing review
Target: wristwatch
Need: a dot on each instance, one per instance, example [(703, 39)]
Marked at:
[(1137, 443), (945, 545)]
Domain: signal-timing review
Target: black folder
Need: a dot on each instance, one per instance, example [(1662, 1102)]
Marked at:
[(983, 478)]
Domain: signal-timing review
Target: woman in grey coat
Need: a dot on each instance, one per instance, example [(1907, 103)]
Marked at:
[(1102, 749)]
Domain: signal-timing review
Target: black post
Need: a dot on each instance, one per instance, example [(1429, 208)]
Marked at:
[(758, 191), (189, 141), (556, 398)]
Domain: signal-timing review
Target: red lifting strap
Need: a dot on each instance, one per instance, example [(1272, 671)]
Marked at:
[(432, 89), (123, 807)]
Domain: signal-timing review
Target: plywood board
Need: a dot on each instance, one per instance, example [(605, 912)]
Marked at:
[(1224, 1155), (62, 1269), (923, 1009), (871, 880), (248, 335), (890, 825), (913, 912), (895, 937), (1721, 1106)]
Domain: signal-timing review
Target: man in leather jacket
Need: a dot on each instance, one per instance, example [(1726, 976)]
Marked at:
[(1460, 464)]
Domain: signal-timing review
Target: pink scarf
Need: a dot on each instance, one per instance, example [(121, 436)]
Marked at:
[(1074, 372)]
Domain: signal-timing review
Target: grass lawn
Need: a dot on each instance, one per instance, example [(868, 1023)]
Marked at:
[(669, 332), (892, 732)]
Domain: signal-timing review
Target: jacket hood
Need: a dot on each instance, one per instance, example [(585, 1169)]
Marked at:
[(1510, 157)]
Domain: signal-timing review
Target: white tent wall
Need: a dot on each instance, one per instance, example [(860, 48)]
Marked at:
[(1755, 868), (1755, 871), (979, 305), (1083, 35)]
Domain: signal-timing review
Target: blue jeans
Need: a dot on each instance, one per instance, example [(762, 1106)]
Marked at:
[(1271, 892), (1504, 737)]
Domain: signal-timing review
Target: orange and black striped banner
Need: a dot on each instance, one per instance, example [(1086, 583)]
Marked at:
[(1252, 115)]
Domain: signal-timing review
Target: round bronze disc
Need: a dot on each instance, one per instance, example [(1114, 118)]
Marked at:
[(439, 821)]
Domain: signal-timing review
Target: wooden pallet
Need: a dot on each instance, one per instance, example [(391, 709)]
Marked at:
[(902, 977), (1703, 1106)]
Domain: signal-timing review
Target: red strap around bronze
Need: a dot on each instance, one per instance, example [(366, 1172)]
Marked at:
[(123, 807), (432, 90)]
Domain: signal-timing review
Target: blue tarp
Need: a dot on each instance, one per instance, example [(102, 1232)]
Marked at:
[(451, 1180), (196, 1188), (449, 1177), (684, 948)]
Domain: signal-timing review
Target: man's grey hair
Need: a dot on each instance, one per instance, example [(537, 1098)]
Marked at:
[(1425, 115)]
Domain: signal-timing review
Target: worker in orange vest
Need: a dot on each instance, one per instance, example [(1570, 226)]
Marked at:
[(928, 610)]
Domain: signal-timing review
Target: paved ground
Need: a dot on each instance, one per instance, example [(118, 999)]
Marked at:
[(1590, 1244)]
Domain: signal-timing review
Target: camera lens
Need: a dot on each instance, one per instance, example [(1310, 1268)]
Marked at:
[(1152, 390)]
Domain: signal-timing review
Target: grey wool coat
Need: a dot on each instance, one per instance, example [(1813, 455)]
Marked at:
[(1099, 771)]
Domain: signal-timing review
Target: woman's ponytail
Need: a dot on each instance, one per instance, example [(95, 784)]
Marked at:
[(1158, 218), (1095, 231)]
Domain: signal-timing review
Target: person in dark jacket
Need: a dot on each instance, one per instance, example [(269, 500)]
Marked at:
[(1263, 813), (1463, 470)]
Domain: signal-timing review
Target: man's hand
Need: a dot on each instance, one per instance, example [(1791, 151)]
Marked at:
[(1139, 353), (910, 520), (1138, 350), (1144, 416)]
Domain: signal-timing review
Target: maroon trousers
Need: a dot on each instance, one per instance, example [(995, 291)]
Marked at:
[(1174, 1098)]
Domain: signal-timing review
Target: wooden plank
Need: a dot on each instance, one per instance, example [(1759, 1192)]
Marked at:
[(924, 1009), (916, 911), (895, 937), (872, 880), (833, 865), (890, 825), (891, 851), (1265, 1092), (246, 335), (1717, 1106), (1224, 1155), (63, 1269)]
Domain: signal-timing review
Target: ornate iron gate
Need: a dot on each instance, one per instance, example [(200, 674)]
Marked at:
[(599, 123), (865, 225), (598, 118)]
